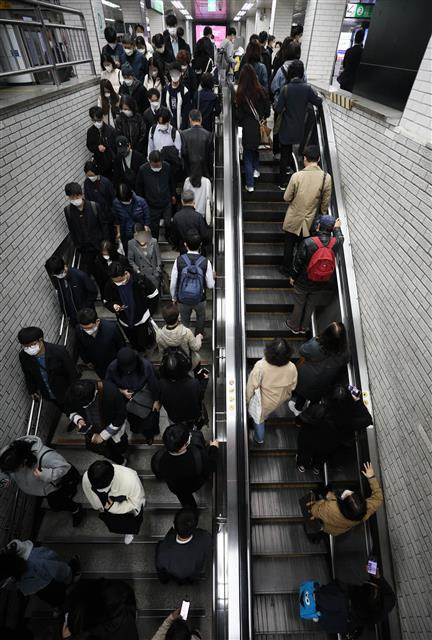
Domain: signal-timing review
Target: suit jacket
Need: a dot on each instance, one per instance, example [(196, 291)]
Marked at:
[(197, 151), (107, 137), (82, 289), (185, 220), (102, 348), (60, 369), (168, 46)]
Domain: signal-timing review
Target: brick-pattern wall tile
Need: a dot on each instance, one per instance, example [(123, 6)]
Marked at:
[(417, 115)]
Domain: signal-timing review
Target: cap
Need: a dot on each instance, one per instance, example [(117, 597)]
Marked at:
[(126, 69), (122, 142), (326, 222)]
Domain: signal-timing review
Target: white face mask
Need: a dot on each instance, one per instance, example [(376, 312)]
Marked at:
[(155, 105), (127, 113), (98, 125), (93, 178), (33, 350), (172, 31), (129, 82), (175, 77), (61, 275), (120, 284), (160, 49), (108, 67), (91, 331), (154, 73), (77, 202), (129, 52), (107, 95), (184, 67), (126, 203), (156, 169), (106, 257), (164, 127)]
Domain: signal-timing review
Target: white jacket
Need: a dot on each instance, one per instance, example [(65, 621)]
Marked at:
[(125, 483)]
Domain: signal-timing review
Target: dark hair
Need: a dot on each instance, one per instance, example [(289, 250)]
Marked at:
[(91, 165), (55, 265), (124, 191), (153, 92), (185, 522), (295, 70), (179, 630), (130, 102), (170, 313), (11, 565), (359, 36), (165, 114), (155, 156), (80, 393), (231, 32), (283, 52), (158, 40), (254, 38), (312, 153), (253, 53), (107, 245), (128, 39), (263, 36), (334, 339), (293, 51), (155, 61), (367, 599), (195, 115), (105, 57), (87, 316), (171, 20), (249, 87), (174, 366), (116, 270), (138, 26), (278, 352), (141, 40), (193, 240), (73, 189), (105, 85), (29, 334), (175, 437), (180, 33), (174, 66), (353, 507), (110, 34), (207, 81), (18, 454), (96, 113), (207, 31), (100, 474), (183, 57), (297, 30), (271, 38), (338, 401)]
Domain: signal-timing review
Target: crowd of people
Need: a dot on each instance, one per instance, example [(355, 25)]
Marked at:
[(151, 167)]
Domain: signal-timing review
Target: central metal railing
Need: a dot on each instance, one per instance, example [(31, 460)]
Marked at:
[(42, 41)]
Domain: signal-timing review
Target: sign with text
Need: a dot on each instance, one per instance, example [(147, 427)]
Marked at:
[(359, 10)]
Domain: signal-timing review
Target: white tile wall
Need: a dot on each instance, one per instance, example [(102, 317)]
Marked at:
[(417, 117)]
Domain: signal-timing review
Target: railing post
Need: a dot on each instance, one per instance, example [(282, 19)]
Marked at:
[(48, 46), (89, 49)]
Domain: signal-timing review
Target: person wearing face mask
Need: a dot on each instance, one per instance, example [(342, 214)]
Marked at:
[(117, 493), (208, 102), (197, 147), (133, 298), (75, 289), (107, 255), (176, 98), (48, 368), (130, 124), (100, 190), (204, 53), (113, 48), (161, 54), (129, 210), (155, 78), (188, 77), (101, 141), (131, 87), (135, 58), (97, 410), (173, 41), (155, 183), (165, 138), (98, 340), (149, 115), (87, 223), (110, 71), (127, 163), (109, 101), (144, 255)]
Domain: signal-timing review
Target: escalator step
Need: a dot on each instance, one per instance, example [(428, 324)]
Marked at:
[(269, 300), (264, 276), (263, 232), (269, 468), (278, 437), (273, 504), (270, 324), (283, 538), (284, 575), (276, 617), (264, 192), (259, 253)]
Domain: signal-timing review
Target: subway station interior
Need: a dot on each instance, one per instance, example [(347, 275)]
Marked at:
[(298, 137)]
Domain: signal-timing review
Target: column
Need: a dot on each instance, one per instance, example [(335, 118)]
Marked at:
[(281, 18), (323, 22)]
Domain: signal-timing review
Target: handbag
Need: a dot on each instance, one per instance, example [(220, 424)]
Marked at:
[(122, 522), (265, 132), (68, 483), (255, 403), (141, 403)]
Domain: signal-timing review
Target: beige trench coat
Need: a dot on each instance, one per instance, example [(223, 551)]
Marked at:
[(303, 194), (277, 385)]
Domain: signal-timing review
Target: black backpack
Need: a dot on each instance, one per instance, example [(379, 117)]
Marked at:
[(197, 447), (170, 153)]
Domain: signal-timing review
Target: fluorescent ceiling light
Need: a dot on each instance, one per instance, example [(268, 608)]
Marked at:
[(247, 6), (241, 13), (109, 20), (236, 19), (111, 4), (185, 12), (177, 4)]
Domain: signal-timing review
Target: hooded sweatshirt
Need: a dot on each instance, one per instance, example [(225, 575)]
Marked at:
[(179, 336), (43, 566), (54, 467)]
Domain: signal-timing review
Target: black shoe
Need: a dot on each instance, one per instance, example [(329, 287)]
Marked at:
[(75, 565), (77, 516), (71, 426)]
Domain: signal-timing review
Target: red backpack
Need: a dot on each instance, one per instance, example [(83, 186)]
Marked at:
[(323, 262)]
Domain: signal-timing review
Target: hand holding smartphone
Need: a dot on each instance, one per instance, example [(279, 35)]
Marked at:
[(372, 566), (184, 610)]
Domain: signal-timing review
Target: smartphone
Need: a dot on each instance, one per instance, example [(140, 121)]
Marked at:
[(184, 611), (354, 391), (372, 566)]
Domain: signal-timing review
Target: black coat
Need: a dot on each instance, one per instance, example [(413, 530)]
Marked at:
[(112, 407), (122, 173), (209, 105), (60, 369), (77, 291), (107, 137), (197, 151), (157, 187), (168, 46), (138, 92), (102, 192), (182, 399), (351, 63), (292, 103), (101, 268), (143, 293), (87, 227), (246, 119), (320, 371), (102, 348), (133, 129), (150, 119), (185, 220), (183, 561), (204, 51), (180, 472)]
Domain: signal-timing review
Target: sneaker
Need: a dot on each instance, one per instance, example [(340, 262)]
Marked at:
[(301, 468), (316, 471), (128, 538), (75, 565), (250, 189), (77, 516), (296, 332), (282, 187), (291, 405), (258, 441), (256, 174)]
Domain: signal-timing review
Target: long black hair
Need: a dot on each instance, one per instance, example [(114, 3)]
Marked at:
[(18, 454)]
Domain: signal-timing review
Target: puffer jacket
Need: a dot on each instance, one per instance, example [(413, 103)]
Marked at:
[(134, 129), (126, 216), (181, 337), (54, 467)]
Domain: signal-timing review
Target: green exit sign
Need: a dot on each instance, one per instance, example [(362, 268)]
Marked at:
[(359, 10), (211, 5)]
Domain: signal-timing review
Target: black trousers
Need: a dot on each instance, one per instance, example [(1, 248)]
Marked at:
[(286, 162), (59, 501), (186, 499), (109, 449), (54, 593), (291, 241)]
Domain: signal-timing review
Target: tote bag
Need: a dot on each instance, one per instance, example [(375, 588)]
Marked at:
[(255, 403), (265, 132)]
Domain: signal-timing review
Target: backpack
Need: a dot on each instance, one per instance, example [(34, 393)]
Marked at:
[(170, 153), (307, 602), (192, 281), (197, 446), (323, 261)]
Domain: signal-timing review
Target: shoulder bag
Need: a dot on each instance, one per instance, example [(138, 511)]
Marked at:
[(265, 132)]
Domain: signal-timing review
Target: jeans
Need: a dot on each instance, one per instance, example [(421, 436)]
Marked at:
[(286, 162), (259, 431), (305, 301), (186, 312), (291, 240), (251, 164)]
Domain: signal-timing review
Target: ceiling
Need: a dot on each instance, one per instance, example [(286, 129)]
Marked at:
[(225, 9)]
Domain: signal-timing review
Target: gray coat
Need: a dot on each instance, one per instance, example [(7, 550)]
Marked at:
[(54, 467), (146, 260)]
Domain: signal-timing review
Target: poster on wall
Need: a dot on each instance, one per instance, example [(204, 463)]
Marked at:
[(219, 32)]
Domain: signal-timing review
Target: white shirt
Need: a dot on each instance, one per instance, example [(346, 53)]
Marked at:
[(209, 278), (203, 195), (163, 139)]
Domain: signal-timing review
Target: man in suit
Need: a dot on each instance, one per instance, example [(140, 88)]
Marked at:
[(188, 220), (197, 147), (173, 42), (98, 340)]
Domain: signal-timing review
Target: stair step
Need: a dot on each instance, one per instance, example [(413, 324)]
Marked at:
[(283, 538), (269, 469), (284, 575), (271, 504), (261, 253), (276, 617), (269, 300), (264, 276)]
